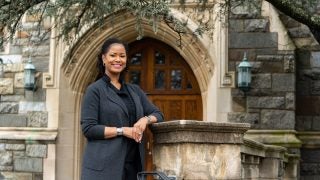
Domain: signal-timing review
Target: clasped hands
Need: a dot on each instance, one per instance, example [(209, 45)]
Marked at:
[(137, 130)]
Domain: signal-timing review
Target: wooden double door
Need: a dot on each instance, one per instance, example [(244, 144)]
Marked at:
[(168, 81)]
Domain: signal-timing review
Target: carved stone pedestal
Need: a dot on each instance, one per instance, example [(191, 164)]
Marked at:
[(188, 149)]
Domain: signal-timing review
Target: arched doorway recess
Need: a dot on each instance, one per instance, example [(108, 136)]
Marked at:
[(79, 69), (168, 81)]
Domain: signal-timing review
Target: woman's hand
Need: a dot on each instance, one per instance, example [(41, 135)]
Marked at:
[(133, 133), (141, 124)]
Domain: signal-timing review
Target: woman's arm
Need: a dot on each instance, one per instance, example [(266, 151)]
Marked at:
[(90, 115)]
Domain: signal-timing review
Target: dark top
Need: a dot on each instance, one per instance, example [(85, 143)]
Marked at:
[(132, 148)]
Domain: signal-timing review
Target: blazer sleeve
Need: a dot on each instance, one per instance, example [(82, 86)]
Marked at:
[(90, 114), (148, 107)]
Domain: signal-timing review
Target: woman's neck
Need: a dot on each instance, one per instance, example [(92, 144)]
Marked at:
[(113, 77)]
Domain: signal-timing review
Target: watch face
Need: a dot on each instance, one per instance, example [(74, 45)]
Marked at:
[(119, 131)]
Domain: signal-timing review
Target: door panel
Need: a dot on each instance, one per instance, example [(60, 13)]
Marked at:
[(168, 81)]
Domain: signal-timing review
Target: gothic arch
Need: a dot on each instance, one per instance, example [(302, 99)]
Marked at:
[(79, 62)]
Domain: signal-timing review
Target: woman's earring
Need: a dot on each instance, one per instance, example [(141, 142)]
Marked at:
[(104, 64)]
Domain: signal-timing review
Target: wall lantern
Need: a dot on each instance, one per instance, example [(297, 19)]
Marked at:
[(29, 76), (244, 74), (1, 68)]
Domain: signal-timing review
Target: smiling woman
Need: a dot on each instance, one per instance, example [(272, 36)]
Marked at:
[(114, 116)]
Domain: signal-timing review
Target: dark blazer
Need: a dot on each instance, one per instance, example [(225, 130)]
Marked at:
[(104, 159)]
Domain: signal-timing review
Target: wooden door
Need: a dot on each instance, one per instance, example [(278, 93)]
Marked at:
[(168, 81)]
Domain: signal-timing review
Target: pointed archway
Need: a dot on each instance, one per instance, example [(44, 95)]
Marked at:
[(79, 70)]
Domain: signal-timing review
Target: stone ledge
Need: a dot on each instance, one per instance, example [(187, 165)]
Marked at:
[(255, 148), (285, 138), (30, 134), (199, 126), (189, 131), (309, 139)]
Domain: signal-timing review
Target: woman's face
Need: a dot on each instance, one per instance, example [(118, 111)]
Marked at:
[(115, 59)]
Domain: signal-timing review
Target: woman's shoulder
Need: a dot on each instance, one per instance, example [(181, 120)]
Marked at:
[(95, 86)]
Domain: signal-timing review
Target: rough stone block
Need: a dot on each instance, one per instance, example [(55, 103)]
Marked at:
[(15, 176), (272, 67), (315, 59), (37, 119), (270, 58), (25, 107), (316, 123), (11, 59), (6, 86), (10, 108), (41, 63), (12, 98), (5, 168), (290, 101), (14, 68), (236, 25), (261, 81), (36, 150), (315, 87), (17, 154), (13, 120), (245, 12), (42, 50), (283, 82), (253, 40), (251, 118), (15, 147), (289, 64), (36, 96), (19, 80), (5, 158), (265, 102), (28, 164), (238, 104), (2, 147), (37, 176), (256, 25), (299, 32), (277, 119)]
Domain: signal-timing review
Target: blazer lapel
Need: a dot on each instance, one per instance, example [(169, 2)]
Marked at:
[(117, 100)]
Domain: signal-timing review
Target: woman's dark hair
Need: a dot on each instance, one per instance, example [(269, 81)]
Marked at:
[(104, 49)]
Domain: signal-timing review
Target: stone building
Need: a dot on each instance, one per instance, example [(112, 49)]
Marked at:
[(40, 137)]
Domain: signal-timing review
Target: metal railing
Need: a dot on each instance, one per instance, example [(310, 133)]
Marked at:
[(156, 174)]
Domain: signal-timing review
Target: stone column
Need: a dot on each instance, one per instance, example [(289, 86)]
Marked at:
[(188, 149)]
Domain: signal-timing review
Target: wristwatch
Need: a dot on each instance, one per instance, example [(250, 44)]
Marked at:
[(119, 131), (149, 119)]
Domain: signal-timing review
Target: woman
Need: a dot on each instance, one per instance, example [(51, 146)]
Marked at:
[(114, 116)]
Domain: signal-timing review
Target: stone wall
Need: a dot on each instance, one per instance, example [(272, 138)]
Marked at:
[(270, 104), (308, 111), (21, 160), (285, 86), (22, 110), (307, 95)]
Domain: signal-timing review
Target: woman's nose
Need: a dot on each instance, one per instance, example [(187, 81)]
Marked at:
[(117, 58)]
